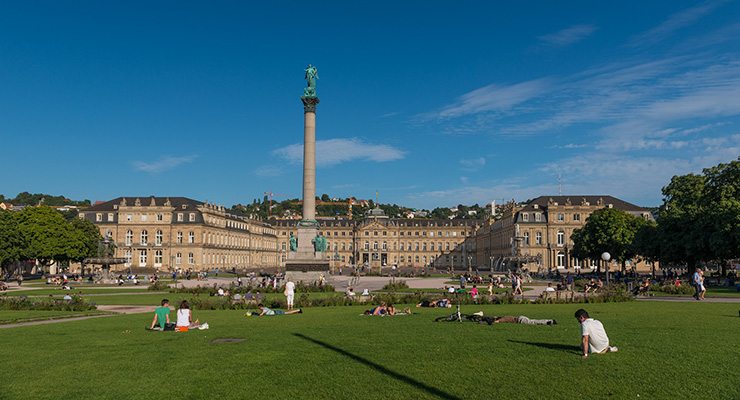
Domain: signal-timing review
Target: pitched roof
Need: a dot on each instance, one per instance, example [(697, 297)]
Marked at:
[(176, 202), (544, 202)]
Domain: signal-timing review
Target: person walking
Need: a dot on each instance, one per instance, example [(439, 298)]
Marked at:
[(696, 281)]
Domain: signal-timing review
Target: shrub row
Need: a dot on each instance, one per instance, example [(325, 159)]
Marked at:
[(21, 303)]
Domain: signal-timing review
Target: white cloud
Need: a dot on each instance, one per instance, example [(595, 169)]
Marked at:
[(568, 36), (473, 164), (164, 163), (336, 151), (675, 22), (268, 171), (492, 98)]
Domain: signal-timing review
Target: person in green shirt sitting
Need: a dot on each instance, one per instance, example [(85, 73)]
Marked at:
[(162, 317)]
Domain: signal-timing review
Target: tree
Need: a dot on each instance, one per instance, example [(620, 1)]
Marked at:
[(683, 228), (11, 242), (325, 198), (45, 234), (84, 237), (722, 203), (607, 230)]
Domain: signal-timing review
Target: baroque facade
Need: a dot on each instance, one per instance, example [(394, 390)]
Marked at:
[(166, 233), (378, 242), (543, 227)]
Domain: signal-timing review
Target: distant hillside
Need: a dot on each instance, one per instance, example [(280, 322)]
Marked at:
[(44, 199)]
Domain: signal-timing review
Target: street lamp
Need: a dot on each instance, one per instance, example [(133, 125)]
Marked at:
[(606, 257)]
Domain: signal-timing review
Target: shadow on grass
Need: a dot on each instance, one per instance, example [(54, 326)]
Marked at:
[(552, 346), (403, 378)]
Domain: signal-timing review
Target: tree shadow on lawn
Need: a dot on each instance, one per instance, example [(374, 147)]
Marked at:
[(552, 346), (403, 378)]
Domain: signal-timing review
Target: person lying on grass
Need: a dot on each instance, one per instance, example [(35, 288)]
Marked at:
[(444, 303), (266, 311), (162, 317), (510, 319)]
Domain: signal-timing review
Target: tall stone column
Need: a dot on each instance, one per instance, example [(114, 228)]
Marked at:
[(309, 157), (306, 263)]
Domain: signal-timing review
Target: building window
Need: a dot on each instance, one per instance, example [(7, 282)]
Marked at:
[(191, 237), (367, 245), (128, 257), (431, 246), (344, 246), (110, 217), (191, 260), (367, 233), (158, 257), (158, 238), (525, 217), (424, 246), (191, 217), (142, 258), (576, 263), (538, 237), (375, 245), (129, 217), (160, 217), (416, 246), (577, 217), (561, 217), (98, 217), (561, 238), (538, 217), (178, 258), (129, 238), (180, 217), (385, 245), (179, 237), (526, 238), (416, 259), (144, 237), (447, 246), (144, 217), (561, 260)]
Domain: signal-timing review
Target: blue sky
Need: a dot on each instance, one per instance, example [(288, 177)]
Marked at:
[(429, 103)]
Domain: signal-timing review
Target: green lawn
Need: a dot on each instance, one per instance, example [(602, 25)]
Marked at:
[(667, 350), (7, 316)]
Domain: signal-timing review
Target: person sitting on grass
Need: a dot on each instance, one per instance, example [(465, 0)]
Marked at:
[(162, 317), (266, 311), (67, 297), (593, 335), (185, 316)]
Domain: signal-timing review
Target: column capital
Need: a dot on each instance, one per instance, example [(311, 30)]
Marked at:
[(309, 103)]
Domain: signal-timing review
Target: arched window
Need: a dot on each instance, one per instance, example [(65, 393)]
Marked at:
[(128, 257), (142, 258), (561, 238), (561, 260), (129, 238), (158, 257), (158, 238), (144, 237)]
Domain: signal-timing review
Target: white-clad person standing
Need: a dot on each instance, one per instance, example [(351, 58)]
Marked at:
[(290, 293)]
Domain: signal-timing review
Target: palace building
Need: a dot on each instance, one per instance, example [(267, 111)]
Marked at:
[(377, 241), (166, 233), (542, 229)]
